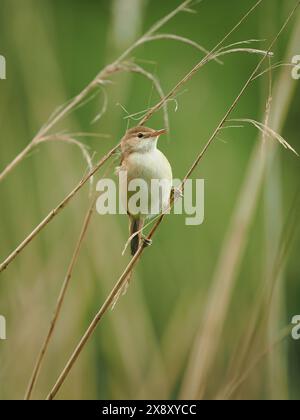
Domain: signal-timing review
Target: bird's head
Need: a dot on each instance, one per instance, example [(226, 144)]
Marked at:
[(140, 139)]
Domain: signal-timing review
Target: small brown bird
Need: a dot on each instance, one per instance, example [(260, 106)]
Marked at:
[(142, 160)]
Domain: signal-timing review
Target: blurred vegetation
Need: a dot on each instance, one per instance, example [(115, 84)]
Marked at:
[(144, 347)]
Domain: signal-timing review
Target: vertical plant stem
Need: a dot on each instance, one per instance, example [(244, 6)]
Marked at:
[(245, 375), (112, 68), (197, 67), (152, 110), (122, 280), (283, 92), (206, 344), (106, 305), (59, 302), (78, 99), (55, 211), (273, 202)]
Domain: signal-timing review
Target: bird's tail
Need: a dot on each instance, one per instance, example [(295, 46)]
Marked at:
[(134, 227)]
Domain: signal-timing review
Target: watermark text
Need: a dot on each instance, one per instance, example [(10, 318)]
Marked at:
[(296, 329), (2, 328), (2, 67), (149, 199), (296, 68)]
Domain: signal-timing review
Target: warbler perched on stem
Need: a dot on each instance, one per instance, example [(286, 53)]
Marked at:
[(142, 160)]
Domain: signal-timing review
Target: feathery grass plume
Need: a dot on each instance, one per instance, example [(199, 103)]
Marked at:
[(120, 283), (231, 254), (69, 138), (284, 88), (62, 112), (161, 104), (100, 79), (268, 132)]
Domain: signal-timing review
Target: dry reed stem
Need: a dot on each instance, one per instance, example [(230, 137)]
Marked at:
[(183, 40), (233, 387), (252, 188), (264, 299), (98, 80), (281, 98), (242, 348), (201, 360), (106, 305), (60, 115), (267, 132), (122, 279), (134, 68), (59, 302), (62, 294), (71, 138), (151, 111), (260, 319), (194, 70), (213, 55), (56, 210), (110, 69), (277, 362)]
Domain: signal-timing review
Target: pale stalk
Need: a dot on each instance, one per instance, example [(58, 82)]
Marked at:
[(122, 280), (59, 302), (78, 99)]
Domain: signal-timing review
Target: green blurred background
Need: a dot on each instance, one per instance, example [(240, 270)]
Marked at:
[(196, 287)]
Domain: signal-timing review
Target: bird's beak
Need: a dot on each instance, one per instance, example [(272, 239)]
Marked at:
[(158, 133)]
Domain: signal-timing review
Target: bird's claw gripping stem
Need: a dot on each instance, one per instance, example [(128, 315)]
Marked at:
[(146, 242)]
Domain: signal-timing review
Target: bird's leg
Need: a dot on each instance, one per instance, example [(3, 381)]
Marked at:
[(146, 242)]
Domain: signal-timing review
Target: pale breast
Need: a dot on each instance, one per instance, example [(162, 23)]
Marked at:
[(152, 166)]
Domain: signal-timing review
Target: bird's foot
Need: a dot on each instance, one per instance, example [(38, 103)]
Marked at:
[(146, 242)]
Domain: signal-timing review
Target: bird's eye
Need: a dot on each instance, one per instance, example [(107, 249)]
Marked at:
[(140, 135)]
